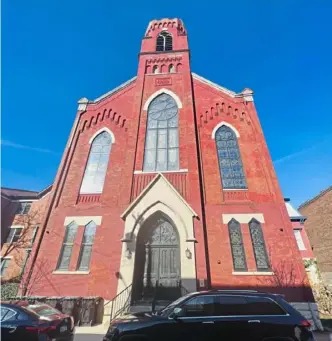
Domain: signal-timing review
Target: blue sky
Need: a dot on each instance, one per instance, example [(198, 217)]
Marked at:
[(55, 52)]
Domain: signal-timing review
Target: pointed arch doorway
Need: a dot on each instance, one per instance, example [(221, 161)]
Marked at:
[(157, 271)]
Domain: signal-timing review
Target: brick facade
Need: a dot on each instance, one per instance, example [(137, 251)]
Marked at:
[(319, 229), (204, 105)]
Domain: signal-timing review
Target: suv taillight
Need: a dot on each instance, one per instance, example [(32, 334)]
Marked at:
[(305, 323)]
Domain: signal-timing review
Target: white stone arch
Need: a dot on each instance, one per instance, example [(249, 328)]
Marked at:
[(159, 206), (100, 131), (159, 92), (184, 225), (223, 123)]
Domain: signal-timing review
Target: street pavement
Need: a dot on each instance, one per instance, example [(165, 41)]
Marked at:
[(323, 336), (88, 337)]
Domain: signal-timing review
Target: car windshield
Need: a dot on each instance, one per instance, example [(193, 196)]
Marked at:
[(165, 311), (42, 310)]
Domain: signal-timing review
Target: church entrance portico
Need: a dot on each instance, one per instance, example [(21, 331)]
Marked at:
[(158, 245)]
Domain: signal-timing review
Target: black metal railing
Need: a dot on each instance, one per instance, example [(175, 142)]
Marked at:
[(121, 302)]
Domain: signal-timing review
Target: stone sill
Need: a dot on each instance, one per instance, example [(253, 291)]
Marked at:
[(56, 272), (235, 189), (252, 273), (157, 172)]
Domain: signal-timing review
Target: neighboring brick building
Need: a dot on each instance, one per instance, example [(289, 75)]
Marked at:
[(302, 240), (21, 214), (318, 225), (167, 181)]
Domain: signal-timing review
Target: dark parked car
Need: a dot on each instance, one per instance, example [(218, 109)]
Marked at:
[(34, 322), (216, 315)]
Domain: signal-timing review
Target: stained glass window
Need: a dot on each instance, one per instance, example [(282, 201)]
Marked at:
[(229, 158), (67, 246), (96, 168), (164, 42), (86, 247), (257, 238), (235, 236), (162, 136)]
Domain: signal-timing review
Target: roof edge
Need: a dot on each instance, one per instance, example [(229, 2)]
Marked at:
[(114, 91), (38, 195), (320, 194)]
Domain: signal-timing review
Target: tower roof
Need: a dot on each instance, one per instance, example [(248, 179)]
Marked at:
[(165, 23)]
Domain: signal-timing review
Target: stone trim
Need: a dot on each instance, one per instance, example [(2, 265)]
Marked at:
[(100, 131), (252, 273), (159, 92), (82, 220), (223, 123), (58, 272), (243, 218), (157, 172)]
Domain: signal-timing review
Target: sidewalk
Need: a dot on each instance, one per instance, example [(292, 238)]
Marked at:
[(97, 329), (323, 336)]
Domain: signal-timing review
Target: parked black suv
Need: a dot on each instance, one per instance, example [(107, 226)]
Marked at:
[(216, 315)]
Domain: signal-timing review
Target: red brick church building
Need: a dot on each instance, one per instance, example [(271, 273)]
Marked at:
[(166, 182)]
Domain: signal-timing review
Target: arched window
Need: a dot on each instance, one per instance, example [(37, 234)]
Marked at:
[(164, 42), (230, 163), (67, 246), (171, 68), (238, 254), (86, 246), (95, 171), (155, 69), (257, 238), (162, 138)]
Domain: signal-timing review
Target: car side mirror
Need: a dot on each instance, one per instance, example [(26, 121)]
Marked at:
[(177, 312)]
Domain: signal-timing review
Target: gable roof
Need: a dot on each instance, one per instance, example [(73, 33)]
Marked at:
[(22, 194), (114, 91), (147, 188), (246, 93), (321, 193)]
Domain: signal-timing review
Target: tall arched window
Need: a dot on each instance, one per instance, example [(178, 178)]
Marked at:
[(230, 163), (164, 42), (95, 171), (86, 246), (257, 238), (162, 138), (238, 254), (67, 246)]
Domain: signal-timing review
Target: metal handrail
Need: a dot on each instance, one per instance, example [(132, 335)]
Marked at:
[(121, 302)]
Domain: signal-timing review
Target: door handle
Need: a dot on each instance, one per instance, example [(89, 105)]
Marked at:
[(254, 321), (12, 330), (208, 322)]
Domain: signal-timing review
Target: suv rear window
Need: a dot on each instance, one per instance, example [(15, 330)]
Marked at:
[(246, 305), (230, 306), (263, 306), (42, 310)]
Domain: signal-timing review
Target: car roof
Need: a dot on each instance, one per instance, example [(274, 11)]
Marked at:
[(238, 292)]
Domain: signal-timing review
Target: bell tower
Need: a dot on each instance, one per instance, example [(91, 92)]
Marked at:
[(165, 35), (164, 70), (164, 48)]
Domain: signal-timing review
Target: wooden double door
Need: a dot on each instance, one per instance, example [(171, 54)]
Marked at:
[(158, 262)]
